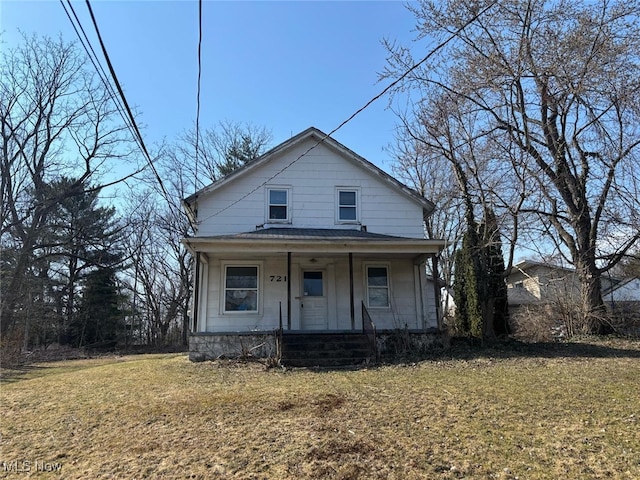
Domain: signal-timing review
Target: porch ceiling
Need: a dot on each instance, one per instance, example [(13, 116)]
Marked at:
[(317, 241)]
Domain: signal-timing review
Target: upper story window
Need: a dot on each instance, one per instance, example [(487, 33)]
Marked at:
[(347, 211), (278, 207)]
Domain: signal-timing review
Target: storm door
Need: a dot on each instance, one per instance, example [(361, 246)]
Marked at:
[(313, 304)]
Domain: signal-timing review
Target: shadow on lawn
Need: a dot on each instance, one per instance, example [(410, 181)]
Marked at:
[(604, 347), (17, 373)]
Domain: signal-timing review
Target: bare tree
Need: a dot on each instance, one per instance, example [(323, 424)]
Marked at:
[(160, 279), (56, 121), (220, 150), (556, 85)]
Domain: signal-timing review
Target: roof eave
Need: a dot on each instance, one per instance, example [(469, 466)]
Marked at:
[(228, 245)]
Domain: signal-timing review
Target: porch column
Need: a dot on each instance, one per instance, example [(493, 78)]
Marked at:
[(288, 290), (351, 299), (436, 286), (196, 293)]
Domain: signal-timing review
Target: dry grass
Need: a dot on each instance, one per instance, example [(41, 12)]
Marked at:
[(523, 413)]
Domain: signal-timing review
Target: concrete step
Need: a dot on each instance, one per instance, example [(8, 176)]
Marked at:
[(324, 350)]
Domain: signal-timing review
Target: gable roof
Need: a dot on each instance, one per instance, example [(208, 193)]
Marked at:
[(329, 142), (525, 265)]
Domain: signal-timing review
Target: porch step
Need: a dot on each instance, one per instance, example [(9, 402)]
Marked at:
[(324, 349)]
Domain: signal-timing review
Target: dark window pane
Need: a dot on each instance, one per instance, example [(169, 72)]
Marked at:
[(241, 300), (377, 276), (278, 197), (348, 198), (277, 213), (347, 213), (242, 277), (312, 284), (378, 297)]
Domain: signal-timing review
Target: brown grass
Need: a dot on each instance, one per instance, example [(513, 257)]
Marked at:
[(527, 413)]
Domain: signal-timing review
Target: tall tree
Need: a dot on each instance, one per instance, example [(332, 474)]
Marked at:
[(160, 278), (100, 319), (56, 120), (557, 85)]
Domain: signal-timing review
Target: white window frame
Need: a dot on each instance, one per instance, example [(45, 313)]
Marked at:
[(355, 190), (268, 204), (387, 267), (258, 289)]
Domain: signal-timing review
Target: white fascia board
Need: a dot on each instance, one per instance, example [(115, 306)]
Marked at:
[(226, 245)]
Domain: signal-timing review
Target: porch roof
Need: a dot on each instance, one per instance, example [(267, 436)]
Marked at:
[(316, 240)]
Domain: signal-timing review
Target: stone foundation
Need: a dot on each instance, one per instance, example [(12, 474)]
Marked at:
[(402, 343), (391, 344), (210, 346)]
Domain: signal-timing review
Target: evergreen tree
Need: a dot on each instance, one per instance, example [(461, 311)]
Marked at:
[(497, 308), (467, 285), (480, 292), (99, 320)]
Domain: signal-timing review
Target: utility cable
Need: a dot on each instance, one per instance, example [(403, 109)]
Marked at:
[(126, 106), (433, 51), (195, 180)]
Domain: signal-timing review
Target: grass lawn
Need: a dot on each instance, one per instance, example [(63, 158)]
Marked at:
[(559, 412)]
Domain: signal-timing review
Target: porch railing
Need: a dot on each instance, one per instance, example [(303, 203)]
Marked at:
[(369, 329)]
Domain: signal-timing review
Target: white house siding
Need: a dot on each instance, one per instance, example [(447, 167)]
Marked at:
[(405, 311), (239, 206)]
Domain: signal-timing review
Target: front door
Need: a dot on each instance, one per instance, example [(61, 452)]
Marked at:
[(313, 303)]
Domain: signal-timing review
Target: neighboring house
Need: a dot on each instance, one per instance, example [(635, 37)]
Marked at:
[(540, 283), (626, 291), (309, 238), (623, 299)]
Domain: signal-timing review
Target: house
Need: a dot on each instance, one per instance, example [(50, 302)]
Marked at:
[(542, 291), (532, 283), (310, 241), (623, 300)]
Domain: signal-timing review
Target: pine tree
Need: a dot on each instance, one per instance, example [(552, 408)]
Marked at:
[(99, 320)]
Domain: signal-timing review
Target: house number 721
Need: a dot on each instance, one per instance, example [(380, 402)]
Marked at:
[(278, 278)]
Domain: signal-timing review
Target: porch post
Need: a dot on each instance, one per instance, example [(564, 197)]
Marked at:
[(196, 293), (436, 286), (351, 306), (288, 290)]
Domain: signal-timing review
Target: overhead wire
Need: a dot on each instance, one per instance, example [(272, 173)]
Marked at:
[(138, 135), (93, 57), (432, 52), (195, 180)]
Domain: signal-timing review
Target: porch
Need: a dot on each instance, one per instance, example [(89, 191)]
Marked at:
[(325, 349)]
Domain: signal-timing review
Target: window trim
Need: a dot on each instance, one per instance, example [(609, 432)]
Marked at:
[(223, 289), (268, 204), (387, 267), (355, 190)]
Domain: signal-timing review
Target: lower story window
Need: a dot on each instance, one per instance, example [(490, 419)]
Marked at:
[(378, 286), (241, 289)]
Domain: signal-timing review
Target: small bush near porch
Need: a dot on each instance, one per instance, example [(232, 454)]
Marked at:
[(521, 411)]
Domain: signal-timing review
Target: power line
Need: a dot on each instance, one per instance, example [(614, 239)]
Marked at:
[(361, 109), (93, 57), (195, 180), (126, 106)]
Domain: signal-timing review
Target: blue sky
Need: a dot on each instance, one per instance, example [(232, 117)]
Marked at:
[(282, 65)]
